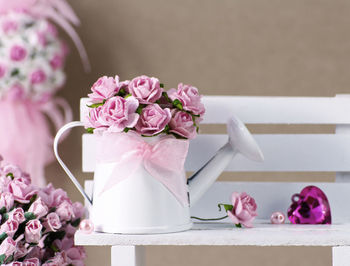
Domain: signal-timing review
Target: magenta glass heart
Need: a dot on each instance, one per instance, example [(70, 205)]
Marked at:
[(311, 206)]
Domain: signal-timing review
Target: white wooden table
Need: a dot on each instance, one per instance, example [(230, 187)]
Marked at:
[(283, 153)]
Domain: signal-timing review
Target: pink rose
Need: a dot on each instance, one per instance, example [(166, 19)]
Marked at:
[(70, 230), (8, 247), (92, 119), (64, 244), (189, 97), (119, 113), (103, 89), (32, 231), (182, 124), (31, 262), (21, 191), (6, 200), (244, 209), (153, 120), (18, 215), (145, 89), (53, 197), (15, 263), (9, 227), (52, 222), (57, 61), (65, 211), (21, 250), (79, 209), (2, 70), (12, 170), (4, 182), (38, 77), (18, 53), (39, 208)]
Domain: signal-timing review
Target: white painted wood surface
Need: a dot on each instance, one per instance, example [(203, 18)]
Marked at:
[(127, 256), (283, 152), (341, 256), (224, 234), (272, 110)]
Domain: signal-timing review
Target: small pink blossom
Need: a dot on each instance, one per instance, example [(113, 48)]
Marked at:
[(182, 124), (145, 89), (244, 209), (52, 222), (92, 119), (153, 120), (18, 53), (118, 113), (75, 256), (18, 215), (9, 26), (38, 77), (31, 262), (64, 244), (3, 70), (12, 170), (65, 211), (57, 61), (189, 98), (8, 247), (21, 250), (6, 200), (103, 89), (21, 191), (9, 227), (78, 209), (39, 208), (32, 231)]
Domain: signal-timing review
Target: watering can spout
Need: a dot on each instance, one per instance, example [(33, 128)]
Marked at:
[(240, 141)]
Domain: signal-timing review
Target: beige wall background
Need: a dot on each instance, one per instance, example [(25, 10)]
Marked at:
[(235, 47)]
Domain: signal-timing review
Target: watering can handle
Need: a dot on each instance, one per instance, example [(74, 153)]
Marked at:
[(59, 134)]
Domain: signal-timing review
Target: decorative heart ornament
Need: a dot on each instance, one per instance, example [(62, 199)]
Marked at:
[(311, 206)]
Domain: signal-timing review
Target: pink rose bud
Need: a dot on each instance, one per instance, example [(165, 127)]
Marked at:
[(145, 89), (21, 250), (65, 211), (103, 89), (153, 120), (189, 98), (18, 215), (15, 263), (32, 231), (118, 113), (244, 209), (18, 53), (21, 191), (52, 222), (6, 200), (79, 209), (31, 262), (9, 26), (8, 247), (182, 124), (2, 70), (39, 208), (9, 227), (38, 77), (12, 170)]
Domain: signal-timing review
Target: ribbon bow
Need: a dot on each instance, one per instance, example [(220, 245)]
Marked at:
[(59, 11), (163, 159)]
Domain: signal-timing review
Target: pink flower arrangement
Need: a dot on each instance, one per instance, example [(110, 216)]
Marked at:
[(142, 105), (37, 226)]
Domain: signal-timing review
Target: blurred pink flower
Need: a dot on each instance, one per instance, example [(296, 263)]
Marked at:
[(65, 211), (18, 53), (38, 77)]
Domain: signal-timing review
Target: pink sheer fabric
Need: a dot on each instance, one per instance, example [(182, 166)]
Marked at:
[(163, 158)]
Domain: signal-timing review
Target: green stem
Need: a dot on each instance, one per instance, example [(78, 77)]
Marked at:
[(211, 219)]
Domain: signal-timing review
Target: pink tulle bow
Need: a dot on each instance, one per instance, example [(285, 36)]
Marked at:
[(163, 159), (25, 133), (58, 11)]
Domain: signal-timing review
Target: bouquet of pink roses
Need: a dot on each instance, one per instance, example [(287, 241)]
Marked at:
[(142, 105), (37, 225)]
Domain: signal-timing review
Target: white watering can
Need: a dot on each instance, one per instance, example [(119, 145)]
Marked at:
[(141, 204)]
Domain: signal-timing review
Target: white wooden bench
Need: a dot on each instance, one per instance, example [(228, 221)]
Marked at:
[(283, 153)]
